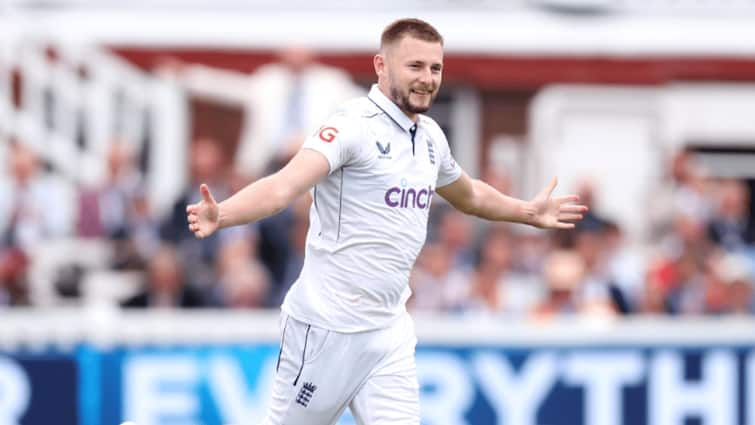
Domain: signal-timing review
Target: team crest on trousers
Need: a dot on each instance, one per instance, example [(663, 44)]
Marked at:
[(305, 394)]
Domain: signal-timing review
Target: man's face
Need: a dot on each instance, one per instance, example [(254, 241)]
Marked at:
[(410, 73)]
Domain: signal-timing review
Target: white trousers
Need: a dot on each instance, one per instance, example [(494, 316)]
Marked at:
[(321, 372)]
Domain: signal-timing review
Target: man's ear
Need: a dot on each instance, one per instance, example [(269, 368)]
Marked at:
[(379, 63)]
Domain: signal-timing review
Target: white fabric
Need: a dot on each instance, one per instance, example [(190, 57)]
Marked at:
[(47, 209), (321, 372), (368, 221)]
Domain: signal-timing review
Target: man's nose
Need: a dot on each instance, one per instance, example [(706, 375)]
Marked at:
[(426, 77)]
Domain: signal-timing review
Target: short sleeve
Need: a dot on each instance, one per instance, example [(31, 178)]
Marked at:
[(335, 139), (449, 171)]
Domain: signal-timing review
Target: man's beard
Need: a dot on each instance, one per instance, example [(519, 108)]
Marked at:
[(403, 102)]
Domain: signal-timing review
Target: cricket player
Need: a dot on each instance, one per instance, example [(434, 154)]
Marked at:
[(373, 169)]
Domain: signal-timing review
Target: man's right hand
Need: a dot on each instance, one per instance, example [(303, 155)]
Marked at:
[(204, 216)]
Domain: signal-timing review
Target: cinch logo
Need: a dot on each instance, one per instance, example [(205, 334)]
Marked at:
[(397, 197)]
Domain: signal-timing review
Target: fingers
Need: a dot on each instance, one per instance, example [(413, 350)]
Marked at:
[(570, 208), (546, 192), (567, 199), (194, 228), (206, 195), (569, 217), (564, 226), (192, 216), (552, 184)]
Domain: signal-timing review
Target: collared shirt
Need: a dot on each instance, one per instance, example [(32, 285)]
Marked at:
[(368, 221)]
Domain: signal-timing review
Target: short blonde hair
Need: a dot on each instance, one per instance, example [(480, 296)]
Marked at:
[(413, 27)]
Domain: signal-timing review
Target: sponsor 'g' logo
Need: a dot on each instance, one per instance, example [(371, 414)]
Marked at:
[(327, 134)]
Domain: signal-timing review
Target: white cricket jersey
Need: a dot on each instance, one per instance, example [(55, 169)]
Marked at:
[(368, 220)]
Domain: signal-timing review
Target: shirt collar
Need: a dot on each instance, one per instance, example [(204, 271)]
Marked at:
[(390, 108)]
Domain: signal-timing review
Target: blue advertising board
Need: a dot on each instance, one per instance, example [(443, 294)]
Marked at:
[(39, 389), (460, 385), (631, 385), (185, 385), (592, 386)]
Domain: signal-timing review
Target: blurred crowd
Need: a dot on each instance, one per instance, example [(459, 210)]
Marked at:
[(697, 260)]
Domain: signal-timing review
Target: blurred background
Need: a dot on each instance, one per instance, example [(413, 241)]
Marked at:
[(112, 114)]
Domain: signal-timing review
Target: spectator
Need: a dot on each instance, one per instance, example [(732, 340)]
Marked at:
[(495, 287), (599, 287), (730, 225), (291, 260), (689, 186), (143, 231), (563, 273), (688, 294), (732, 283), (239, 272), (244, 285), (624, 268), (165, 286), (104, 210), (532, 245), (660, 280), (591, 219), (119, 210), (277, 249), (13, 281), (688, 236), (206, 163), (437, 285), (34, 206), (455, 231), (684, 191)]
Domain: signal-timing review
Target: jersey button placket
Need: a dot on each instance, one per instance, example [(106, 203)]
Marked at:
[(413, 132)]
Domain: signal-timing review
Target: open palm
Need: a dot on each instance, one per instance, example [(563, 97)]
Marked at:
[(556, 212)]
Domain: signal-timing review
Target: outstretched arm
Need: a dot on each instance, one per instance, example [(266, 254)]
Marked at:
[(478, 198), (260, 199)]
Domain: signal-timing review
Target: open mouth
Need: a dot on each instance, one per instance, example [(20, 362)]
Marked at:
[(421, 92)]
